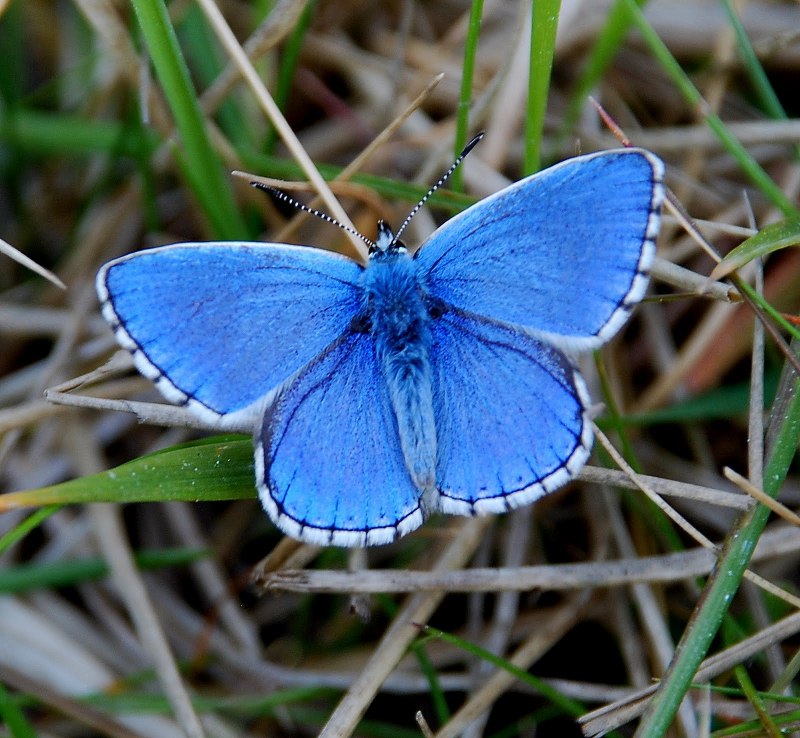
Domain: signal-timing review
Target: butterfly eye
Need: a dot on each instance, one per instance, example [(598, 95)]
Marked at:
[(361, 323), (436, 308)]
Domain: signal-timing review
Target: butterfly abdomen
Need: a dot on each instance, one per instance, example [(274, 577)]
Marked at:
[(399, 323)]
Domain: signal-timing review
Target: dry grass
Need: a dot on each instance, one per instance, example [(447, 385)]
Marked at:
[(589, 591)]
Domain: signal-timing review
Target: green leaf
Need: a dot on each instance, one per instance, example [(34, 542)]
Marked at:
[(11, 716), (19, 531), (55, 134), (544, 23), (200, 164), (465, 94), (604, 50), (566, 704), (694, 99), (26, 577), (773, 237), (214, 469), (734, 558)]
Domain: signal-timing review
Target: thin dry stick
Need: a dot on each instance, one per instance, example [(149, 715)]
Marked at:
[(532, 649), (551, 577), (60, 356), (423, 725), (688, 527), (714, 226), (113, 542), (689, 281), (612, 716), (650, 614), (282, 18), (22, 415), (392, 647), (15, 254), (711, 324), (665, 487), (506, 609), (73, 707), (278, 558), (695, 347), (211, 579), (678, 519), (688, 223), (246, 69), (154, 413), (677, 139), (358, 163), (761, 496)]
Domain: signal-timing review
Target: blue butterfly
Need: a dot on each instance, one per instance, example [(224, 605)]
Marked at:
[(434, 382)]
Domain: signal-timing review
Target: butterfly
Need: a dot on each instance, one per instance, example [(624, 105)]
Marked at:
[(438, 381)]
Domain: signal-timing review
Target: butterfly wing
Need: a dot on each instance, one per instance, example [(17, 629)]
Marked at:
[(216, 326), (329, 465), (565, 253), (510, 416)]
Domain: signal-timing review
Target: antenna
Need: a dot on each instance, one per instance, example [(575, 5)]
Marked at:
[(471, 145), (281, 195)]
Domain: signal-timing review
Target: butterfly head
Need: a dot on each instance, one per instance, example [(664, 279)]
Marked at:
[(386, 243)]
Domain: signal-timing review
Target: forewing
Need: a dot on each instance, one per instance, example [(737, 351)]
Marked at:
[(510, 416), (565, 253), (329, 465), (216, 326)]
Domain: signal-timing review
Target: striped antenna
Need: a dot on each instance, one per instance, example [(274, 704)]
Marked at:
[(283, 197), (471, 145)]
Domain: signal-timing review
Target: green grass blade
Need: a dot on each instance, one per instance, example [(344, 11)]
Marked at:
[(27, 577), (600, 58), (207, 60), (54, 134), (776, 316), (465, 94), (566, 704), (752, 66), (216, 469), (544, 24), (727, 576), (18, 532), (13, 71), (290, 58), (695, 100), (774, 237), (11, 716), (720, 403), (765, 719), (437, 695), (755, 727), (200, 163)]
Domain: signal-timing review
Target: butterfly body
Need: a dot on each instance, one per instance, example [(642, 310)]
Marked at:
[(396, 311), (438, 382)]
